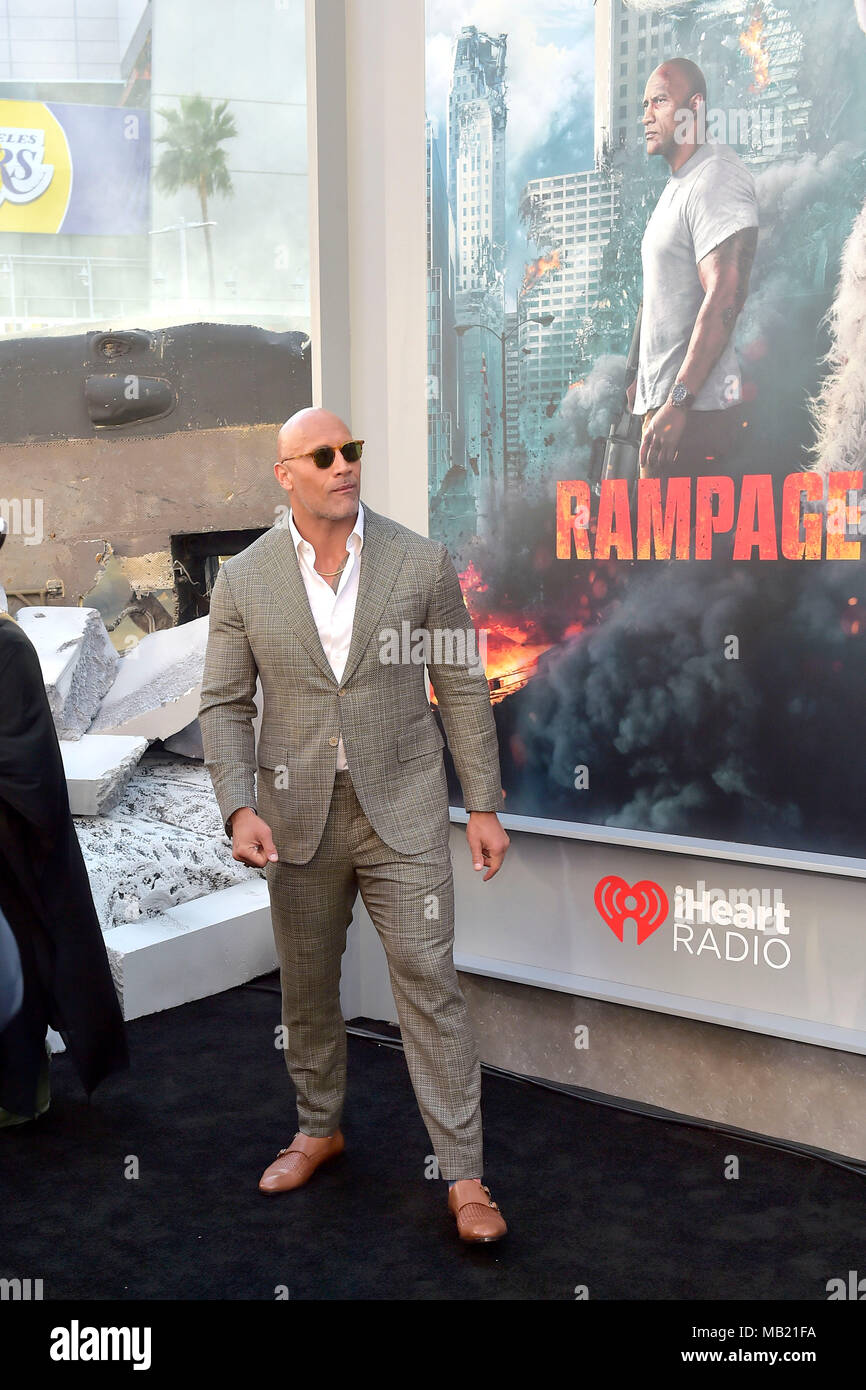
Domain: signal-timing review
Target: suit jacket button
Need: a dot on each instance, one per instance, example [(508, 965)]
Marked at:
[(342, 690), (333, 741)]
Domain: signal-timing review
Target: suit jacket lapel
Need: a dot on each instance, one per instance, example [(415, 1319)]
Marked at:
[(283, 573), (382, 555)]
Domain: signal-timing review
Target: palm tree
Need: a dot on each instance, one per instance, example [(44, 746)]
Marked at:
[(194, 158)]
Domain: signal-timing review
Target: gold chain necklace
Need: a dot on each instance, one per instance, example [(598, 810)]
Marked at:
[(329, 574)]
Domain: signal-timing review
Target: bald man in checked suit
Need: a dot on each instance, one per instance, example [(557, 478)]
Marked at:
[(347, 791)]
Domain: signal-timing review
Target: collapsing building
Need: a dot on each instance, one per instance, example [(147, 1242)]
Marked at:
[(477, 117)]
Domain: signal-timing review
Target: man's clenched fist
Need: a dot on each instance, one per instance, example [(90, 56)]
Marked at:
[(252, 841)]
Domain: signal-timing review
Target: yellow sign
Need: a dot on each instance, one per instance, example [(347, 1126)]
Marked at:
[(35, 168)]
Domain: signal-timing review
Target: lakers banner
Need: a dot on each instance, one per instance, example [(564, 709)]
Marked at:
[(74, 169)]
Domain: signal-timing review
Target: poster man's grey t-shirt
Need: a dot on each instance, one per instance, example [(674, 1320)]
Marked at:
[(708, 199)]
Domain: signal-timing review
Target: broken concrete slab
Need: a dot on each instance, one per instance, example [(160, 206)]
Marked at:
[(194, 950), (162, 844), (97, 768), (78, 662), (187, 742), (157, 690), (165, 886)]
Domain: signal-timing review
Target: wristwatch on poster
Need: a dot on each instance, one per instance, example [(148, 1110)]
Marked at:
[(681, 396)]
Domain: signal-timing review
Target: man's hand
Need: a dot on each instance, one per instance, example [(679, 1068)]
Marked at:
[(661, 440), (488, 842), (252, 841)]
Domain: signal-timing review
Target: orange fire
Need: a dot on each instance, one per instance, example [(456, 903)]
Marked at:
[(512, 649), (534, 271), (471, 581), (751, 43), (511, 656)]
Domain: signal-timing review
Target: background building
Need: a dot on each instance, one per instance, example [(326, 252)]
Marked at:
[(69, 55), (232, 362), (443, 386), (628, 45), (251, 56), (147, 56), (477, 118), (571, 218), (750, 55), (754, 76), (513, 400)]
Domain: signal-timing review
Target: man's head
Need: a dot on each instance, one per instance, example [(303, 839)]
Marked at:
[(330, 493), (672, 98)]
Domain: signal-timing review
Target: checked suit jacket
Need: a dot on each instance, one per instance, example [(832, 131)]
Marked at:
[(261, 625)]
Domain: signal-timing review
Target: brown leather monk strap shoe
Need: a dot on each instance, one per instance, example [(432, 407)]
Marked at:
[(478, 1216), (295, 1165)]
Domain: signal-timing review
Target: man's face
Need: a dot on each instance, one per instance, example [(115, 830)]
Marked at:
[(332, 493), (666, 94)]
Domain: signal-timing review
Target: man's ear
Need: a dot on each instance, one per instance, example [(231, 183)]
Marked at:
[(283, 477)]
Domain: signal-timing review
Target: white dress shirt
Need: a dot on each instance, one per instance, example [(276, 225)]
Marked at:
[(333, 610)]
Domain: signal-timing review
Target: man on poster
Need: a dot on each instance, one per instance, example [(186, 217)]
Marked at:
[(352, 792), (697, 254)]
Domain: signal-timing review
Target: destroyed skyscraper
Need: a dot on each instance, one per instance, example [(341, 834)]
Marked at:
[(477, 117)]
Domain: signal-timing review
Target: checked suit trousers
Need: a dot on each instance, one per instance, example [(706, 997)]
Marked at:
[(410, 899)]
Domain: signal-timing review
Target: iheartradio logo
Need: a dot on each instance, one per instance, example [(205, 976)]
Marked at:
[(646, 903)]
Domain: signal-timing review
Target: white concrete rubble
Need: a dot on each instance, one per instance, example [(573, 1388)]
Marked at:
[(157, 690), (192, 951), (97, 768), (181, 918), (187, 742), (77, 659), (161, 845)]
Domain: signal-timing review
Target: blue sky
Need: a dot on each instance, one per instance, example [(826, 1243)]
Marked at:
[(550, 88)]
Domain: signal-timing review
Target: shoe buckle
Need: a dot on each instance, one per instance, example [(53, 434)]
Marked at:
[(289, 1149), (493, 1205)]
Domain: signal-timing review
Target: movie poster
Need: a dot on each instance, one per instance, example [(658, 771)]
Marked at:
[(646, 309)]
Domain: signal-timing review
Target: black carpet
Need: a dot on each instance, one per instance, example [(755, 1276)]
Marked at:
[(629, 1206)]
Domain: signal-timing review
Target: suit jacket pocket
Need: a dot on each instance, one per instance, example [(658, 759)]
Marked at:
[(270, 755), (422, 738)]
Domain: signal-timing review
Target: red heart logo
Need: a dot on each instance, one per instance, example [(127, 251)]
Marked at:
[(650, 909)]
